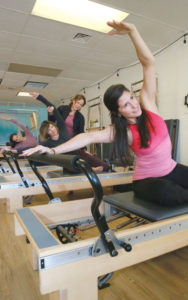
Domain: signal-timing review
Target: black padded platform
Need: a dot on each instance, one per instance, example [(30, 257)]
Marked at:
[(145, 209)]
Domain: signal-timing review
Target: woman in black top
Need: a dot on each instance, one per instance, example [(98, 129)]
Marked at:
[(52, 136), (72, 116)]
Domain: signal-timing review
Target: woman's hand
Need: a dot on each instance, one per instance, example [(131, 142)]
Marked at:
[(120, 27), (34, 95), (40, 149)]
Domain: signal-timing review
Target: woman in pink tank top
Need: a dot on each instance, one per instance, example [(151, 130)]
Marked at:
[(137, 125)]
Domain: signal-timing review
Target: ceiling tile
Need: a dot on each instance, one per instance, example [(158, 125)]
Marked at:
[(19, 5), (12, 21)]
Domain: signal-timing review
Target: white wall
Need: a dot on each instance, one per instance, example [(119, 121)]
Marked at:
[(172, 73)]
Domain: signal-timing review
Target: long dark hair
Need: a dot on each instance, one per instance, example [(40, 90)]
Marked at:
[(121, 148), (12, 142)]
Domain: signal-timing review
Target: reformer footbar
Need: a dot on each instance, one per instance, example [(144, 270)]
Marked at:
[(24, 167)]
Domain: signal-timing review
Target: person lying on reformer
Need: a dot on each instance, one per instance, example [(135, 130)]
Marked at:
[(18, 143), (52, 135), (157, 177)]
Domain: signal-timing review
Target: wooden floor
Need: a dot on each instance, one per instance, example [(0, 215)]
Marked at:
[(162, 278)]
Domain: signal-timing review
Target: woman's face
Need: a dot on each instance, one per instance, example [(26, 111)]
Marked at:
[(77, 104), (129, 107), (17, 138), (52, 130)]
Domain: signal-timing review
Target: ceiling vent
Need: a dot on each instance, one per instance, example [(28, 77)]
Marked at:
[(81, 37), (35, 84)]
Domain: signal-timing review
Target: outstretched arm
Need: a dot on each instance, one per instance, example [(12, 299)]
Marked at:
[(148, 91), (17, 123), (77, 142), (8, 148)]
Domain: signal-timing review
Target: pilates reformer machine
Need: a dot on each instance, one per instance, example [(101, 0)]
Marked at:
[(70, 271), (17, 190)]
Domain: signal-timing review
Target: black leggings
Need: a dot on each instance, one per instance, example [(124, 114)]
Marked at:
[(171, 189)]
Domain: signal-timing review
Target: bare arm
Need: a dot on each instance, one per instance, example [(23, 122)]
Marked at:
[(83, 139), (7, 148), (148, 91), (79, 141), (27, 132)]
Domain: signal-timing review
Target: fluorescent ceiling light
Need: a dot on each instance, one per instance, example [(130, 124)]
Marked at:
[(23, 94), (35, 84), (83, 13)]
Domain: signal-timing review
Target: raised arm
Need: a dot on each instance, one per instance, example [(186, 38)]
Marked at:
[(17, 123), (148, 91), (47, 103), (79, 141), (56, 114)]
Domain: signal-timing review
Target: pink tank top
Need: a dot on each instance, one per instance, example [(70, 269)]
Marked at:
[(156, 160), (69, 124)]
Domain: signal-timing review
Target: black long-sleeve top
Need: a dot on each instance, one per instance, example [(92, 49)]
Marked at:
[(78, 120), (64, 136)]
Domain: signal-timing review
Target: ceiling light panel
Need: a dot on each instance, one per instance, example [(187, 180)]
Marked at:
[(82, 13), (23, 94)]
